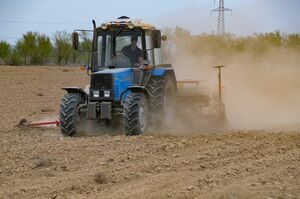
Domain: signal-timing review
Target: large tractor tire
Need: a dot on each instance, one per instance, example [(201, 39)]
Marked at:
[(169, 102), (69, 117), (135, 117), (155, 86), (162, 99)]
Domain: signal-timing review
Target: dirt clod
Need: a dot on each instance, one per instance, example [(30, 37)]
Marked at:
[(100, 178), (22, 122), (46, 110), (40, 94), (40, 161), (190, 188)]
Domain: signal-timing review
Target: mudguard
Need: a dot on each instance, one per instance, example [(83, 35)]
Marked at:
[(77, 90), (171, 76), (138, 89), (158, 72)]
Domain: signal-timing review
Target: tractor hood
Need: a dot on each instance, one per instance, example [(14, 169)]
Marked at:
[(115, 80), (112, 71)]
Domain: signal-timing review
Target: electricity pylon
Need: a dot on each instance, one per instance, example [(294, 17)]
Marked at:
[(221, 18)]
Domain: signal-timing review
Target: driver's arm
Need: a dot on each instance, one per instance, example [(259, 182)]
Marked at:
[(140, 59)]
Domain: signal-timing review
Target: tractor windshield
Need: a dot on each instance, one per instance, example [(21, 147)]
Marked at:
[(110, 46)]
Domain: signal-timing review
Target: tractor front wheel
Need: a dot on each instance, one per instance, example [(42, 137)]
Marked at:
[(135, 116), (68, 115)]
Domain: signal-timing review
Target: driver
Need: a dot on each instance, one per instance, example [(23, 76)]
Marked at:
[(133, 52)]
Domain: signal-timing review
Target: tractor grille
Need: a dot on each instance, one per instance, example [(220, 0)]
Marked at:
[(102, 81), (99, 84)]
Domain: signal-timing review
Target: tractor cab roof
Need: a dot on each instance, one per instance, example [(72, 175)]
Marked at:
[(126, 22)]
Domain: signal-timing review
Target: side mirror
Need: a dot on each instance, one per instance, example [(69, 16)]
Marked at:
[(164, 38), (157, 39), (75, 40)]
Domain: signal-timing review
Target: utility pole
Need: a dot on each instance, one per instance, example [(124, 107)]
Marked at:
[(221, 115), (221, 18), (220, 82)]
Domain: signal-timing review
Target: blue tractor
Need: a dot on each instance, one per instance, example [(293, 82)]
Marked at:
[(131, 96)]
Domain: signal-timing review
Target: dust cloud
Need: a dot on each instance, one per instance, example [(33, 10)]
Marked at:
[(260, 92)]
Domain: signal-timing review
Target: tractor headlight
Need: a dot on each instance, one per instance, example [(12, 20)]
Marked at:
[(96, 93), (130, 25), (106, 94), (104, 26)]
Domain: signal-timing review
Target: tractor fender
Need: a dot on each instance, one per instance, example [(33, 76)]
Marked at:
[(170, 75), (158, 71), (137, 89), (77, 90)]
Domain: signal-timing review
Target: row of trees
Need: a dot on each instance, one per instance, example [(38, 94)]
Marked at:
[(256, 44), (34, 48)]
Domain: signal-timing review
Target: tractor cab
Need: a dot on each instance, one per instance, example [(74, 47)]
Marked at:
[(110, 38)]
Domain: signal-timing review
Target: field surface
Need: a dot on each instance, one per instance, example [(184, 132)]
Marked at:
[(40, 163)]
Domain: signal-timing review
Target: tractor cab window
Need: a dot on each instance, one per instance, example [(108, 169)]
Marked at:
[(149, 49), (158, 56), (99, 47), (104, 50), (122, 41), (110, 46)]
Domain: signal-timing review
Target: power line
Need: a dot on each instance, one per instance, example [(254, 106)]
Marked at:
[(51, 10), (9, 37), (253, 20), (40, 23), (172, 15)]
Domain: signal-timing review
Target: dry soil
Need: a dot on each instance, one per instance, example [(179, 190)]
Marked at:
[(40, 163)]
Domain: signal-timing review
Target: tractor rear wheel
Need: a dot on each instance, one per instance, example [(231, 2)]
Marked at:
[(169, 102), (68, 115), (135, 116), (162, 100), (155, 86)]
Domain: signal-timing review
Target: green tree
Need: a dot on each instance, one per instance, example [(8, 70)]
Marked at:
[(85, 46), (293, 41), (62, 47), (20, 48), (273, 38), (42, 50), (27, 46), (5, 51), (15, 58)]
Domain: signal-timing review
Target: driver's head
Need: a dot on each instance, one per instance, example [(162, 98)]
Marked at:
[(134, 40)]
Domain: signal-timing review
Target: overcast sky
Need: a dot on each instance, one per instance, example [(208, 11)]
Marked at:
[(48, 16)]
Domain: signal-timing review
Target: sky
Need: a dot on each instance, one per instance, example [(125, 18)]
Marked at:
[(48, 16)]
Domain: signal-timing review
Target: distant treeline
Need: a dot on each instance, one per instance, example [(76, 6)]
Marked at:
[(39, 49), (257, 44)]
